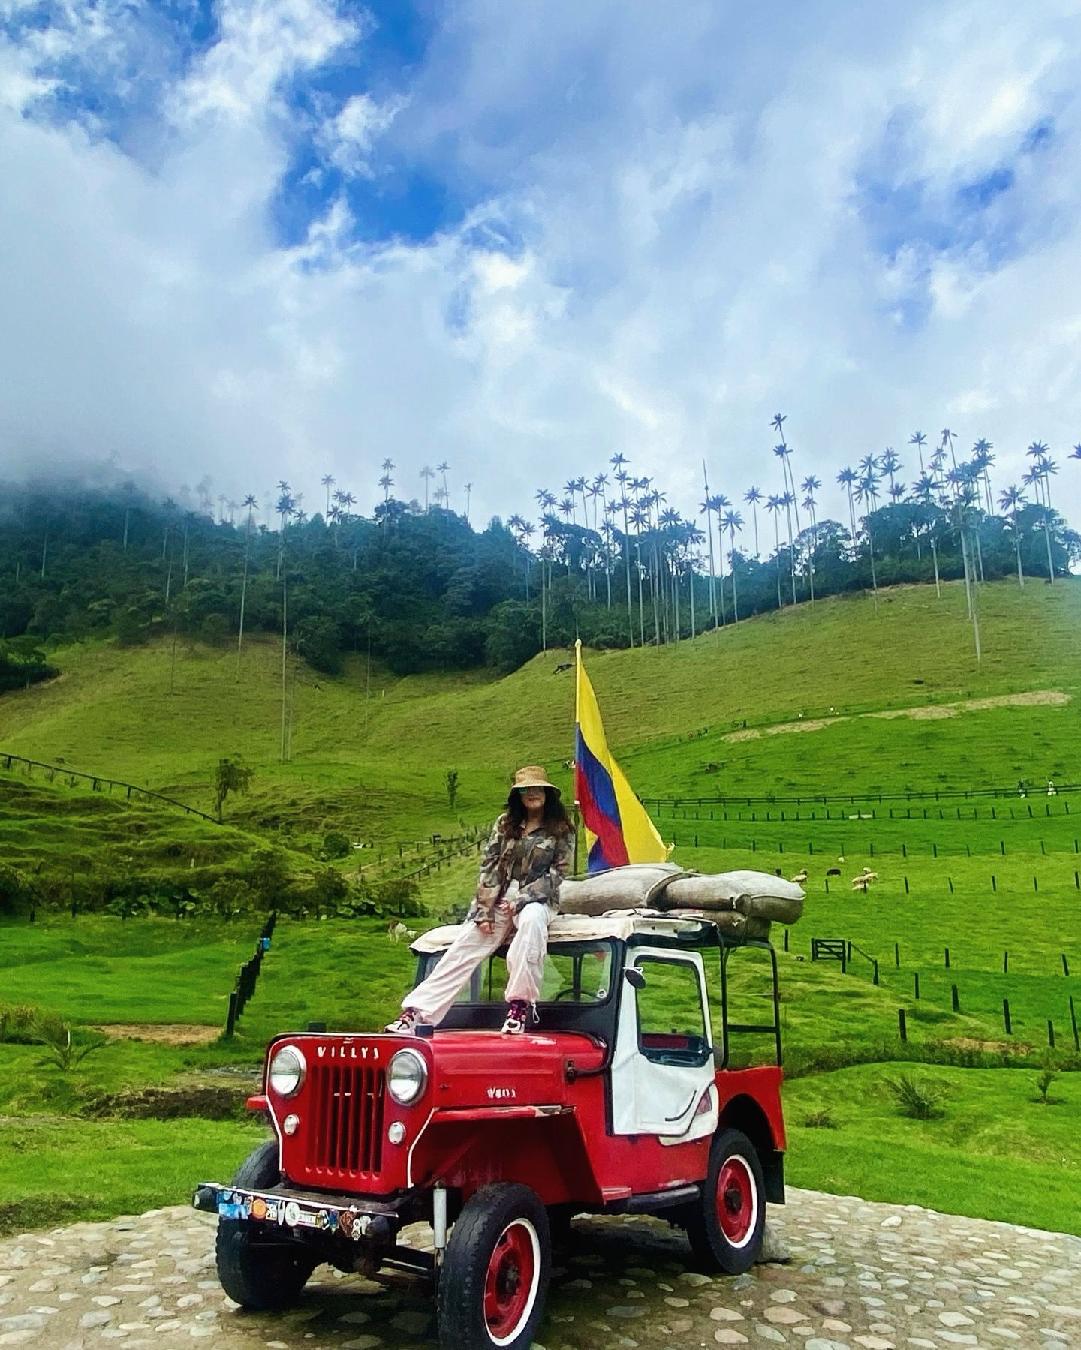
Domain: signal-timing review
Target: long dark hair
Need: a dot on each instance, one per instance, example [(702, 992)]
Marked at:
[(555, 816)]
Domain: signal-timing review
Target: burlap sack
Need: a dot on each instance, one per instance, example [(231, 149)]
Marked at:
[(630, 887), (666, 887), (731, 924)]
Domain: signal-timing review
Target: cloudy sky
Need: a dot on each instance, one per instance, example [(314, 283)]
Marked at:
[(263, 239)]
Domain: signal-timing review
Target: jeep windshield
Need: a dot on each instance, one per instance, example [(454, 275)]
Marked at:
[(574, 972)]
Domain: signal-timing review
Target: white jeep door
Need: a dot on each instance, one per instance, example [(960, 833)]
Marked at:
[(662, 1069)]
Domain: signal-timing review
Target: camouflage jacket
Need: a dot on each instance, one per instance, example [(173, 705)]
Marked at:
[(538, 862)]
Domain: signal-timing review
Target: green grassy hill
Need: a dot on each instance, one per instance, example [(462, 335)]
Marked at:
[(780, 703), (836, 702)]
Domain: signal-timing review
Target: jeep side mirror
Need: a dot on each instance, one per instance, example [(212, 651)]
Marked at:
[(634, 977)]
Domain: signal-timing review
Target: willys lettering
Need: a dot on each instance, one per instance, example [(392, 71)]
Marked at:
[(347, 1052)]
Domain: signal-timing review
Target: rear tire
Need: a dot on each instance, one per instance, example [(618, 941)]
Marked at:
[(725, 1227), (495, 1275), (258, 1271)]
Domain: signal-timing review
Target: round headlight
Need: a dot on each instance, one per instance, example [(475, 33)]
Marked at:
[(407, 1077), (287, 1070)]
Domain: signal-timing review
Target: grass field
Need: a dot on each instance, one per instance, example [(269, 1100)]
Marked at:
[(791, 705)]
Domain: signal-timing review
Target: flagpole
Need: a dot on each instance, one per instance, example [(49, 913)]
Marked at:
[(574, 751)]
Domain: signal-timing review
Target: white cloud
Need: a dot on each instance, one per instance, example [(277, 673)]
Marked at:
[(688, 249), (350, 135)]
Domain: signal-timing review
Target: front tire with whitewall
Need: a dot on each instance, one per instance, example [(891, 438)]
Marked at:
[(494, 1279)]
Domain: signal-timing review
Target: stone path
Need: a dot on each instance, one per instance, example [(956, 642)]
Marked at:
[(862, 1275)]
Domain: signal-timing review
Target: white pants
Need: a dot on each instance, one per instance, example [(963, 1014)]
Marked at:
[(431, 999)]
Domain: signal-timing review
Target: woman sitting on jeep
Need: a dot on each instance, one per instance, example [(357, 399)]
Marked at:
[(527, 856)]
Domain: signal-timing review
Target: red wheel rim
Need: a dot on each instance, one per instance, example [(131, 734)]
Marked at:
[(511, 1282), (737, 1200)]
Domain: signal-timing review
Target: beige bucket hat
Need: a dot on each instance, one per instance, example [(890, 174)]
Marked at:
[(532, 775)]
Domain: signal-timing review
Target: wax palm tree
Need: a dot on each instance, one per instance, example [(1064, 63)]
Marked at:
[(692, 539), (752, 497), (718, 503), (919, 440), (570, 487), (733, 521), (639, 518), (982, 458), (848, 479), (427, 473), (346, 503), (706, 506), (284, 506), (924, 491), (1043, 466), (386, 483), (1011, 500), (889, 463), (784, 453), (610, 510), (669, 522), (865, 493), (444, 468), (773, 506), (622, 477), (327, 481), (468, 495), (249, 503), (787, 501), (169, 508), (527, 532), (963, 482), (580, 486), (810, 486), (654, 499), (599, 488), (129, 489)]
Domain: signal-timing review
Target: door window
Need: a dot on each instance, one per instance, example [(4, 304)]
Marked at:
[(671, 1019)]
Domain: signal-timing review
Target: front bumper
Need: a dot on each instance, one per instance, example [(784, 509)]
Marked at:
[(302, 1211)]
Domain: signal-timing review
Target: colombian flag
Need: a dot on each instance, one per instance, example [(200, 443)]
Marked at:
[(618, 830)]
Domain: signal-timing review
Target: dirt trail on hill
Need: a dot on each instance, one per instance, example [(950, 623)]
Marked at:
[(1035, 698), (164, 1033)]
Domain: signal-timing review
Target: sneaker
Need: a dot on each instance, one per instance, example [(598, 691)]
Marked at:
[(405, 1025), (517, 1017)]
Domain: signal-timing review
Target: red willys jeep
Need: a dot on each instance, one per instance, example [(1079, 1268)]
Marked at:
[(620, 1101)]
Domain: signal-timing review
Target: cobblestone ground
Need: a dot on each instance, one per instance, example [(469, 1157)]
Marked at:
[(861, 1275)]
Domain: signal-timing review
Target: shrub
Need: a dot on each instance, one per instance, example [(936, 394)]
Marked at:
[(14, 890), (916, 1098), (819, 1120), (17, 1023), (336, 844), (61, 1050)]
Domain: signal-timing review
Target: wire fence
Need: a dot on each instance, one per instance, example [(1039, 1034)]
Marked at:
[(826, 799), (98, 783)]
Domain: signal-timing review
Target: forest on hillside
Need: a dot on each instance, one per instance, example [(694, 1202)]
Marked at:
[(418, 588)]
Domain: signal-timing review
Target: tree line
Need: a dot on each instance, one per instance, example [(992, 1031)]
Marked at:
[(415, 586)]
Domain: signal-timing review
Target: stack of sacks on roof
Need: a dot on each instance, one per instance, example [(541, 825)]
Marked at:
[(741, 904)]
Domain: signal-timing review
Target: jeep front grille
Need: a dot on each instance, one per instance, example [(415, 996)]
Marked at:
[(345, 1139)]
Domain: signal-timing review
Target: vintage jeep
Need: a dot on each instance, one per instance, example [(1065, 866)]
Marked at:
[(620, 1101)]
